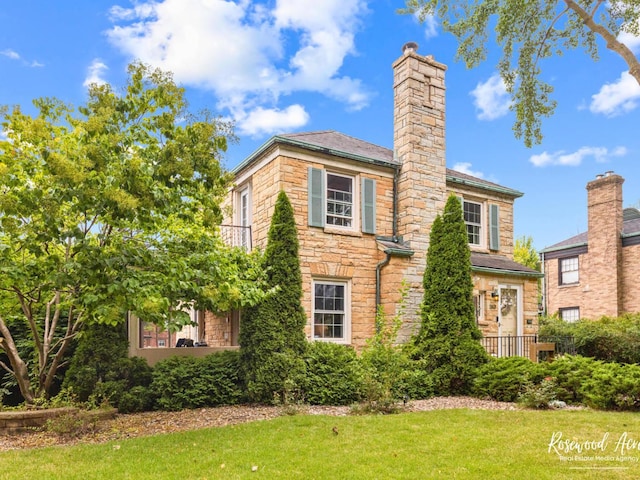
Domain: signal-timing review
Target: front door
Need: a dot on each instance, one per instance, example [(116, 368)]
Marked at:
[(509, 320)]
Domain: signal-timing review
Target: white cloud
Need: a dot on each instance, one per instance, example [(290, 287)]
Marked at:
[(465, 167), (616, 98), (237, 50), (430, 24), (491, 98), (265, 121), (95, 73), (574, 159), (630, 40), (12, 54)]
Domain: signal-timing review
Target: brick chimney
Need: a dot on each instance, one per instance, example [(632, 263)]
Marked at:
[(605, 217), (419, 145)]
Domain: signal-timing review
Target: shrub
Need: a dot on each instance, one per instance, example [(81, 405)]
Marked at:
[(505, 379), (571, 372), (334, 374), (447, 343), (188, 382), (272, 338), (538, 395), (613, 387), (608, 339), (137, 399)]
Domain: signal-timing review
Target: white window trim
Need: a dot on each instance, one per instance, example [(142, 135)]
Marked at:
[(484, 222), (355, 205), (569, 309), (346, 339), (243, 192), (561, 261)]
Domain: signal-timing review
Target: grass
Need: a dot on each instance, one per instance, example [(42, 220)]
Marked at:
[(451, 444)]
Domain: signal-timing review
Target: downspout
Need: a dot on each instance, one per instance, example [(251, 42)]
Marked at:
[(394, 231)]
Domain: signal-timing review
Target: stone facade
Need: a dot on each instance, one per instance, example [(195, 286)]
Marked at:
[(608, 258)]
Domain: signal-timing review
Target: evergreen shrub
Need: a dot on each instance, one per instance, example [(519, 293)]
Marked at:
[(505, 379), (334, 374), (188, 382)]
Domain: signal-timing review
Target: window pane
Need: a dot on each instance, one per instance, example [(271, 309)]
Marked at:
[(473, 219), (339, 200), (569, 272), (329, 314)]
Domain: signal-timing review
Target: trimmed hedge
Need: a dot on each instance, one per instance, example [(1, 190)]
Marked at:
[(505, 379), (188, 382)]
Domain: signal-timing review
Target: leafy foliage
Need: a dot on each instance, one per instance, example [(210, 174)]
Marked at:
[(528, 33), (525, 253), (505, 379), (272, 338), (334, 374), (188, 382), (608, 339), (447, 343), (109, 209)]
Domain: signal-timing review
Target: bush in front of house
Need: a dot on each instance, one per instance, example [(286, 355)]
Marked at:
[(607, 338), (272, 338), (571, 372), (613, 386), (447, 344), (188, 382), (505, 379), (334, 374)]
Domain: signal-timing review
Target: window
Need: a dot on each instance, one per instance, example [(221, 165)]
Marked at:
[(478, 300), (570, 315), (245, 221), (339, 200), (473, 220), (330, 311), (568, 270)]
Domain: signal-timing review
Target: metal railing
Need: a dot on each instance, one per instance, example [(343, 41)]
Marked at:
[(518, 345), (236, 236)]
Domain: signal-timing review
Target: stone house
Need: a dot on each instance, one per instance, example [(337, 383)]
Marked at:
[(596, 272), (363, 214)]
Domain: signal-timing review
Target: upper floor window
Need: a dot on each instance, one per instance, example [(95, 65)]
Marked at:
[(568, 268), (244, 219), (347, 202), (571, 314), (473, 220), (339, 200)]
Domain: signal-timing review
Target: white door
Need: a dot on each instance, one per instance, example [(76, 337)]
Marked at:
[(510, 320)]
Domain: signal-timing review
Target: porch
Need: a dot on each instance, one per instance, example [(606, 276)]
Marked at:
[(526, 345)]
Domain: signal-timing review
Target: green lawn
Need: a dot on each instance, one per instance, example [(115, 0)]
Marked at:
[(449, 444)]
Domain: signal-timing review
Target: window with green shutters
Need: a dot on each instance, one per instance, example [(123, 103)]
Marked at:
[(332, 201)]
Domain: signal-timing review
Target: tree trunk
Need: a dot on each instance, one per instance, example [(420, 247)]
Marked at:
[(20, 369)]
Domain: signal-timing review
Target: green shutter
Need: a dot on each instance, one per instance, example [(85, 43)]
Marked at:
[(494, 227), (368, 205), (316, 197)]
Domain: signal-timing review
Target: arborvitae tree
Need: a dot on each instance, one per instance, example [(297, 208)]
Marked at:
[(447, 342), (272, 338)]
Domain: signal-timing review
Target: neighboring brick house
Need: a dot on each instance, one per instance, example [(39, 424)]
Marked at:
[(364, 213), (596, 272)]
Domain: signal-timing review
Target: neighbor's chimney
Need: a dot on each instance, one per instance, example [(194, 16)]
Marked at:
[(419, 147), (605, 217)]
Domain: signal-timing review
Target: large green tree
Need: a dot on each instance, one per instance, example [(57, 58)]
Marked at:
[(528, 32), (447, 343), (110, 208), (272, 338)]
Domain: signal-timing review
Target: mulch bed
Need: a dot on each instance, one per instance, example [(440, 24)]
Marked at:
[(155, 423)]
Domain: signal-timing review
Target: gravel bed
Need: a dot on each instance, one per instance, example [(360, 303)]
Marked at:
[(154, 423)]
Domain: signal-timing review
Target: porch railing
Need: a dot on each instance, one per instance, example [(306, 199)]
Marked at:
[(519, 345), (236, 236)]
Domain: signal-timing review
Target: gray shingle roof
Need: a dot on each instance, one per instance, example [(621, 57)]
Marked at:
[(486, 261), (336, 143), (630, 226)]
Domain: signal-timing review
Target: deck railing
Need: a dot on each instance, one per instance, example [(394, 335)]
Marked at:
[(519, 345), (236, 236)]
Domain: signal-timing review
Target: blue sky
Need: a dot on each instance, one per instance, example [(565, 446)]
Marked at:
[(290, 65)]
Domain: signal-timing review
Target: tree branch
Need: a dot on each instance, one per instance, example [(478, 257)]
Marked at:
[(611, 41)]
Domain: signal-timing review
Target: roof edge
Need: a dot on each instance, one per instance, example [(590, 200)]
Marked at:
[(511, 273), (563, 247), (492, 187)]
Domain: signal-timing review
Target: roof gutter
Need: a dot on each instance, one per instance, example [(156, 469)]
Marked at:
[(510, 273)]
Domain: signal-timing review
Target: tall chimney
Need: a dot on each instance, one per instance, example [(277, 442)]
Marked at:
[(419, 146), (605, 219)]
